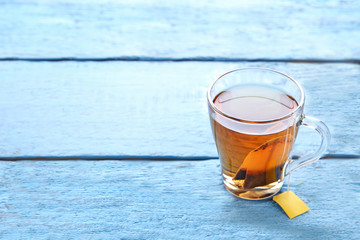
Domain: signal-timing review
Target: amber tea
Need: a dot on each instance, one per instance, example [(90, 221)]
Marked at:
[(252, 160)]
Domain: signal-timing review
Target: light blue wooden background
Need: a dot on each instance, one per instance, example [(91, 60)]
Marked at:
[(110, 79)]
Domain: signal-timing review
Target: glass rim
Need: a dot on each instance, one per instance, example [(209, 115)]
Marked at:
[(216, 109)]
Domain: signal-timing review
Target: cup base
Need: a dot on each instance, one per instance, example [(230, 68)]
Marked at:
[(257, 193)]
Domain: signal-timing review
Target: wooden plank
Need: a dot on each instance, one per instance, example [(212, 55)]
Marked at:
[(242, 29), (168, 200), (134, 108)]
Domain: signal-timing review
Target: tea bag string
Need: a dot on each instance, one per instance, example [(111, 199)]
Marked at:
[(288, 182)]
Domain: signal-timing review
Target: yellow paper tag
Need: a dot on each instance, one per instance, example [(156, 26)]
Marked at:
[(291, 204)]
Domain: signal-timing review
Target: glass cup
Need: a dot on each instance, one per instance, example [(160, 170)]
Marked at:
[(255, 115)]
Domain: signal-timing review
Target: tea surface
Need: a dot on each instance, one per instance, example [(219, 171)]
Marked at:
[(255, 103)]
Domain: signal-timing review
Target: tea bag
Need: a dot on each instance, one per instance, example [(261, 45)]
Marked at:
[(263, 165)]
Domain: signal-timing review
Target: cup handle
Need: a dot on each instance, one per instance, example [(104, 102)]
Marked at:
[(324, 133)]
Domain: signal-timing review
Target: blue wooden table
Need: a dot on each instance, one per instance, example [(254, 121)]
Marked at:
[(104, 132)]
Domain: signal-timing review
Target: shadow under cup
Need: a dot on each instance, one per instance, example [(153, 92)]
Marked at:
[(255, 114)]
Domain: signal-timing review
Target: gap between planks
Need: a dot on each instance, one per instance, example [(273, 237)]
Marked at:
[(148, 158), (184, 59)]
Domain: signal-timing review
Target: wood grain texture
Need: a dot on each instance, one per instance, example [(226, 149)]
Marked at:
[(168, 200), (245, 29), (134, 108)]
